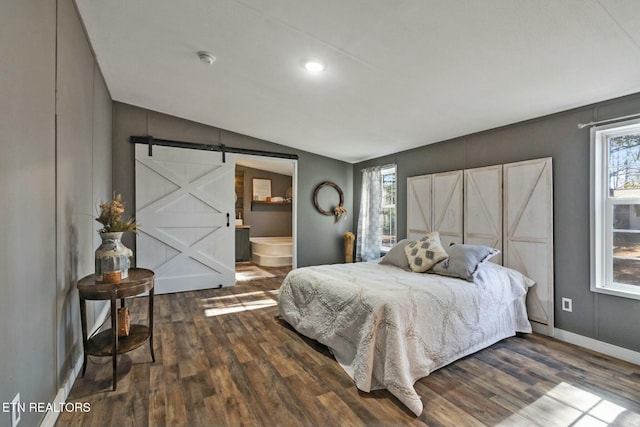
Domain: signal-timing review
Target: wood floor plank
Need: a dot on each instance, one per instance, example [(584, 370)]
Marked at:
[(442, 412), (176, 307), (246, 349), (332, 402), (495, 381), (476, 401), (168, 345), (284, 394), (197, 388), (284, 364), (176, 410), (273, 408), (157, 407), (230, 400), (307, 399), (224, 358), (343, 387)]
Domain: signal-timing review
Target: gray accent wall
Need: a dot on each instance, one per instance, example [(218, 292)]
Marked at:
[(319, 240), (55, 135), (598, 316), (27, 200), (83, 178)]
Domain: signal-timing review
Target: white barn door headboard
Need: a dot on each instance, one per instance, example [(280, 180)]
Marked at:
[(483, 208), (435, 202), (418, 206), (446, 205), (509, 207), (528, 233)]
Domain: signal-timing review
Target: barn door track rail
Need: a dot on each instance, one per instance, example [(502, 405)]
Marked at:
[(151, 141)]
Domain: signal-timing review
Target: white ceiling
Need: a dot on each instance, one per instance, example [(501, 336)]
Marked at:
[(401, 74)]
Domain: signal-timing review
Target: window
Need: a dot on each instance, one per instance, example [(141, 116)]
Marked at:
[(615, 209), (389, 225)]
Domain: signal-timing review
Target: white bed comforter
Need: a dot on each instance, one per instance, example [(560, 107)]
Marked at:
[(388, 327)]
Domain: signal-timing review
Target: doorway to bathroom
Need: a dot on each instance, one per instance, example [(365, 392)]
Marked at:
[(265, 215)]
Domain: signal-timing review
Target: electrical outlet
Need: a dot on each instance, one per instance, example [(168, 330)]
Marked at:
[(567, 304), (15, 410)]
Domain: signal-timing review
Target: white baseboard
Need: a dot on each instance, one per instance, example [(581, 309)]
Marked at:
[(541, 328), (52, 416), (599, 346)]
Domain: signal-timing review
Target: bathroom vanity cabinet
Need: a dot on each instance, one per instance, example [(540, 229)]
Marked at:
[(243, 248)]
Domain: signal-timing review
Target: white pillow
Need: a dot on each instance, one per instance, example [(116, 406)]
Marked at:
[(425, 253)]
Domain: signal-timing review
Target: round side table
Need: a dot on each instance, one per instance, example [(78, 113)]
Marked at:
[(108, 343)]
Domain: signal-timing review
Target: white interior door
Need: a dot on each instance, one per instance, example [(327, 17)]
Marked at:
[(184, 205), (483, 208), (447, 206), (528, 229), (418, 206)]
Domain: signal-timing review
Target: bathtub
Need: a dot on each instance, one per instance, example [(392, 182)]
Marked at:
[(271, 251)]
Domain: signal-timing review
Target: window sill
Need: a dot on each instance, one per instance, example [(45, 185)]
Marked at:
[(618, 292)]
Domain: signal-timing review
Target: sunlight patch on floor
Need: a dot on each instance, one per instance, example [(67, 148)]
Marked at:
[(236, 308), (236, 303), (607, 411), (568, 405), (237, 296), (251, 272)]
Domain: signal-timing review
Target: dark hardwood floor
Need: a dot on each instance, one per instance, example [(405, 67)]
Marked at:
[(224, 359)]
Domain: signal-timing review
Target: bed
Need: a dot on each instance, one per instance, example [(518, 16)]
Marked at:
[(388, 327), (393, 322)]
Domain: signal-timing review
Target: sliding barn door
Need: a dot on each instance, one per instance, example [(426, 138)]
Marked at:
[(528, 229), (184, 205), (418, 206), (447, 206), (483, 208)]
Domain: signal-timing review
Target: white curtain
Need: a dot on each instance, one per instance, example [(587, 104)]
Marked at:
[(370, 219)]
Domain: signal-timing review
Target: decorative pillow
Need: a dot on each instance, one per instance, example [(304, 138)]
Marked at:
[(464, 261), (424, 253), (396, 256)]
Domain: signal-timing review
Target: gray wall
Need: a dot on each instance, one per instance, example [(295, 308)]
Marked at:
[(83, 179), (27, 200), (319, 239), (266, 220), (602, 317), (55, 165)]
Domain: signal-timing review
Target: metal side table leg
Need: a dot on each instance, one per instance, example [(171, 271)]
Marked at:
[(114, 348)]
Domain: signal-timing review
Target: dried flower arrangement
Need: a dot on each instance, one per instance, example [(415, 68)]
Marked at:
[(340, 213), (111, 217)]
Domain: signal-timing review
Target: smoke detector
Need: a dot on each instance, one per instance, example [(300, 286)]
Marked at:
[(206, 57)]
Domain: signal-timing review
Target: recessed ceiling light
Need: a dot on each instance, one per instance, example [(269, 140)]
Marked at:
[(206, 57), (314, 65)]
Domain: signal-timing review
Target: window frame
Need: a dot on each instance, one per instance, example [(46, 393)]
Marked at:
[(601, 211), (383, 169)]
